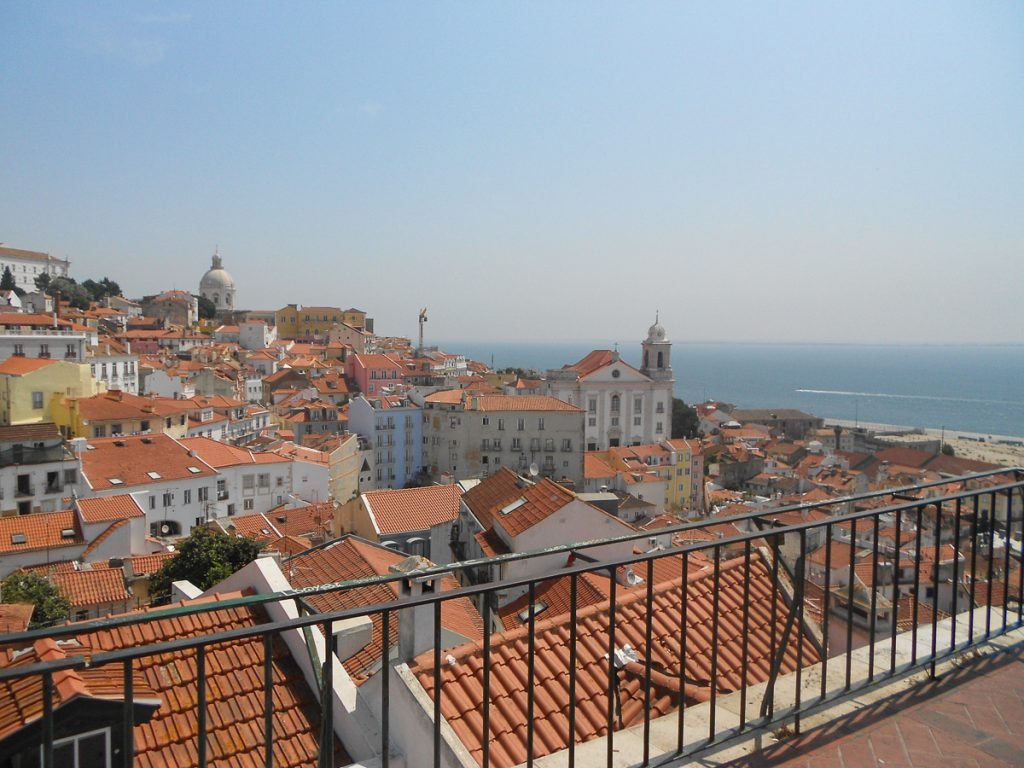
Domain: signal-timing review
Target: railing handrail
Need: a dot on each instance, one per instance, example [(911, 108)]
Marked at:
[(776, 532)]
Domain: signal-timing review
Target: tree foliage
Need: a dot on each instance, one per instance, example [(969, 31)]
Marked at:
[(205, 558), (70, 291), (685, 421), (25, 587), (8, 283), (948, 450), (207, 309), (102, 289)]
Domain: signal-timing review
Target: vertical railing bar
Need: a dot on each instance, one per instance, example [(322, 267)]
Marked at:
[(572, 669), (487, 679), (1006, 561), (895, 593), (798, 595), (531, 668), (1020, 570), (648, 642), (268, 700), (48, 720), (773, 640), (684, 597), (385, 693), (957, 535), (935, 587), (437, 684), (974, 569), (612, 674), (201, 696), (825, 607), (128, 724), (990, 575), (849, 605), (327, 699), (873, 620), (745, 650), (917, 582), (717, 581)]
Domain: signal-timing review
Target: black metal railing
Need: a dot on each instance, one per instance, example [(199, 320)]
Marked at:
[(955, 534)]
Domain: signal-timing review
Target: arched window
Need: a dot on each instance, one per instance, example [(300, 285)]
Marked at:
[(615, 403), (661, 359), (645, 358)]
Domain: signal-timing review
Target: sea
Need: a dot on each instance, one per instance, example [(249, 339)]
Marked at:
[(965, 388)]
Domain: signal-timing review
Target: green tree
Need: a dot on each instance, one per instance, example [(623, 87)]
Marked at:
[(78, 296), (43, 282), (8, 283), (948, 450), (204, 558), (207, 309), (100, 290), (24, 587), (685, 421)]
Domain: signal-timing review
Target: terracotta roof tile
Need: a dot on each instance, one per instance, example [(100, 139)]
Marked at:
[(109, 508), (130, 459), (536, 503), (540, 403), (19, 366), (492, 493), (92, 587), (14, 617), (350, 558), (462, 681), (413, 509), (40, 530), (234, 693)]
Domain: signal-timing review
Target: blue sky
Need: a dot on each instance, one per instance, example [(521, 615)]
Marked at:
[(757, 172)]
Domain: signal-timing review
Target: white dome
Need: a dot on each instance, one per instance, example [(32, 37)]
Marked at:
[(656, 332), (216, 278)]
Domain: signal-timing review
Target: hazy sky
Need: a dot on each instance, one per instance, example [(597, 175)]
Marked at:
[(757, 171)]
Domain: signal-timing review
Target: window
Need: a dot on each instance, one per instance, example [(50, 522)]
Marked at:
[(83, 750), (540, 423), (659, 428), (660, 407), (280, 482), (168, 498), (231, 510), (247, 504), (248, 484), (636, 421), (70, 476), (44, 350), (517, 444), (100, 431), (501, 424), (615, 403), (549, 444), (19, 350), (117, 429), (152, 502), (487, 421), (187, 495), (263, 482), (638, 404), (144, 426), (37, 400), (204, 494), (567, 444), (485, 444), (592, 405), (615, 421), (592, 422), (520, 424)]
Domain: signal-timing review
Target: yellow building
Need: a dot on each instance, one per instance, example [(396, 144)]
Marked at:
[(29, 387), (119, 413), (297, 322), (679, 464)]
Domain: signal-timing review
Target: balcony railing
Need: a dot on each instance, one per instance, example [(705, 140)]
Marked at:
[(745, 622)]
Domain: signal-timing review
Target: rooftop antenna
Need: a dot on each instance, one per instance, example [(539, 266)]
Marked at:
[(423, 319)]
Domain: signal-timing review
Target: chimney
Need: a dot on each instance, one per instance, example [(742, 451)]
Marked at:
[(415, 624)]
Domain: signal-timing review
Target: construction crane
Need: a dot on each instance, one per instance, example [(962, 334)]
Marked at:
[(423, 319)]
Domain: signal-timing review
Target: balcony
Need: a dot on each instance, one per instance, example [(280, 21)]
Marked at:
[(692, 645)]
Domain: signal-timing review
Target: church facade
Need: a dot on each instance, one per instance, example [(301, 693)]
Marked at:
[(623, 405)]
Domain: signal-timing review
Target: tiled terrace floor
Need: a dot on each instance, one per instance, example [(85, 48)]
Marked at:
[(972, 715)]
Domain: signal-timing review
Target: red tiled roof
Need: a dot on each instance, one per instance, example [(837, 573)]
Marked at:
[(130, 459), (234, 689), (25, 433), (491, 543), (462, 680), (353, 558), (92, 587), (145, 565), (22, 533), (19, 366), (109, 508), (14, 617), (540, 502), (413, 509), (491, 494), (519, 403)]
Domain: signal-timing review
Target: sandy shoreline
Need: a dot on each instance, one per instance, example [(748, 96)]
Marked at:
[(1006, 450)]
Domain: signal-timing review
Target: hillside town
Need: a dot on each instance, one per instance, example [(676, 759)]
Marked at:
[(129, 425)]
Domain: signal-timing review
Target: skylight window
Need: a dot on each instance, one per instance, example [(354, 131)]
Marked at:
[(513, 506), (153, 475), (194, 470), (116, 481), (539, 607), (18, 538)]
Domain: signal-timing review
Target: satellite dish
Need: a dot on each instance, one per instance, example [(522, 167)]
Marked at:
[(534, 469)]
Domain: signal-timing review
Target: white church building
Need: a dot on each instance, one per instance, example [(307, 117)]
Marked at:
[(624, 405)]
